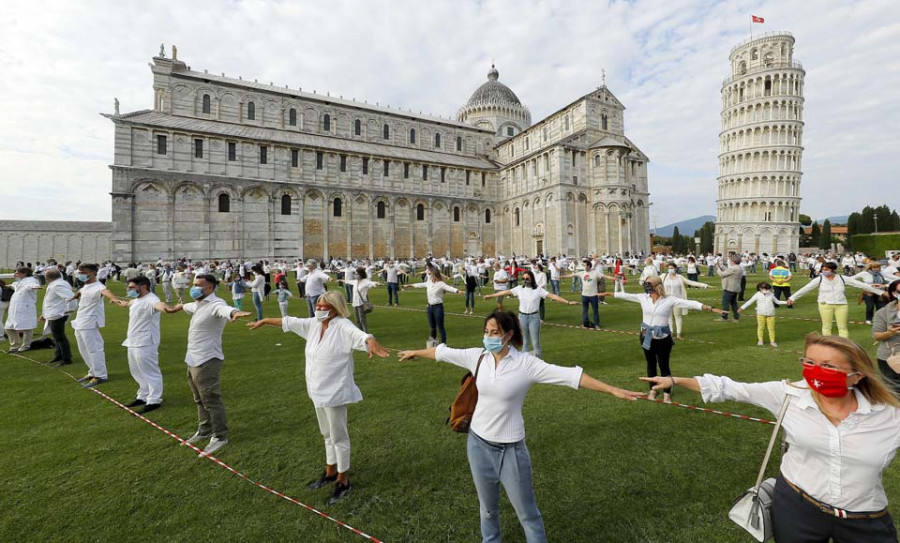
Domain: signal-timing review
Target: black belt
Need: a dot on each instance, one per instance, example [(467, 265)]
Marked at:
[(532, 313), (435, 305), (834, 511)]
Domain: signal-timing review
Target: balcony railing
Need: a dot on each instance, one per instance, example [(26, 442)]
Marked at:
[(763, 68), (761, 36)]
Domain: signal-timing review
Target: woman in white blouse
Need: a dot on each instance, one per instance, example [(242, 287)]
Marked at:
[(832, 301), (435, 288), (649, 270), (330, 341), (676, 285), (360, 288), (530, 295), (842, 429), (873, 276), (258, 289), (496, 444), (656, 334)]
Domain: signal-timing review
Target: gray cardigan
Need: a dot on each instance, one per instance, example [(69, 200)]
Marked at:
[(731, 278), (880, 323)]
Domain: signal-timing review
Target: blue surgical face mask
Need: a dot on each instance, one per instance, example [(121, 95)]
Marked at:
[(83, 277), (196, 292), (493, 344), (132, 293)]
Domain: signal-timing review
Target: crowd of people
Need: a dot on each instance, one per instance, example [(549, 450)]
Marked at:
[(844, 415)]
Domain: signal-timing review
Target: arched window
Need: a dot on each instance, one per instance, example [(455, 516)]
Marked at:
[(459, 143), (286, 205), (251, 111), (516, 215), (292, 117), (386, 131), (337, 207), (224, 203), (487, 216), (567, 122), (456, 214), (326, 123), (206, 107), (604, 122), (509, 131), (754, 54), (412, 136), (379, 209), (437, 139), (357, 127), (420, 212)]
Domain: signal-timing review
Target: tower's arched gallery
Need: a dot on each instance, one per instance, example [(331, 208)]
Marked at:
[(226, 168)]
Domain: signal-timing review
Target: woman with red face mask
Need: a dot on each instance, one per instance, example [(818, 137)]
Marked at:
[(842, 428)]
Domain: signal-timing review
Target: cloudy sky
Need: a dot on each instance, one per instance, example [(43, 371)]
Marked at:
[(63, 62)]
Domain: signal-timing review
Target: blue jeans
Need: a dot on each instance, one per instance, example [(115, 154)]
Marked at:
[(470, 299), (393, 293), (531, 333), (576, 283), (257, 302), (593, 302), (311, 304), (509, 464), (436, 321), (711, 271), (729, 301), (348, 290), (554, 286)]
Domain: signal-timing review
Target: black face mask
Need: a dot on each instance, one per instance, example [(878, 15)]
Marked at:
[(648, 288)]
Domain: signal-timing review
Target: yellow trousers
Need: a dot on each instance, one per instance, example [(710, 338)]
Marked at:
[(834, 312), (763, 322)]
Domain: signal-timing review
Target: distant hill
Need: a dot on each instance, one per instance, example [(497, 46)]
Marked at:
[(686, 227), (837, 219)]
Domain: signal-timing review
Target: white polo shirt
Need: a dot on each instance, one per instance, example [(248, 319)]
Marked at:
[(435, 290), (56, 300), (143, 322), (91, 313), (500, 275)]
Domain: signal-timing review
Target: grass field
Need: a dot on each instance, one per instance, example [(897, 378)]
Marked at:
[(77, 468)]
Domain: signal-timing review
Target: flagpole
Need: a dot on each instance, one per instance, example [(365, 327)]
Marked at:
[(751, 27)]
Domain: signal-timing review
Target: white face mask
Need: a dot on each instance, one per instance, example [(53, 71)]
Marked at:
[(321, 315), (671, 272)]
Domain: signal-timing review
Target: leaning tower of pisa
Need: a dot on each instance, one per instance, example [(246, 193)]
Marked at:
[(758, 204)]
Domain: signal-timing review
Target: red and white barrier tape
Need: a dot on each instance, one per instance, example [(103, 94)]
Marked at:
[(213, 458), (711, 411)]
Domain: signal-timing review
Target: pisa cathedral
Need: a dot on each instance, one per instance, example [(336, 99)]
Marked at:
[(761, 143), (227, 168)]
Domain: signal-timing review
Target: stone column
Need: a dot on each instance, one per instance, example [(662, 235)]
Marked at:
[(430, 218), (592, 229), (608, 240), (170, 234), (628, 226), (412, 230), (241, 245), (325, 221), (207, 220), (392, 240), (301, 228), (371, 228), (350, 228)]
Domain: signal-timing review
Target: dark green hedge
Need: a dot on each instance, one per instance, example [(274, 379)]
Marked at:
[(875, 245)]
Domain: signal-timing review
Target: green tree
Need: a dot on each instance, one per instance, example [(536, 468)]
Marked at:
[(676, 241), (805, 220), (825, 237), (707, 235), (895, 222), (814, 234)]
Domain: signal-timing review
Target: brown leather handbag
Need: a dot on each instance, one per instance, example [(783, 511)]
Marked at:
[(463, 406)]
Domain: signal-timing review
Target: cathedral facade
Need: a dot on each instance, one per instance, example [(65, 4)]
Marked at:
[(227, 168)]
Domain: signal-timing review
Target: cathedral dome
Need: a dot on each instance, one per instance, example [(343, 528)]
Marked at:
[(493, 92)]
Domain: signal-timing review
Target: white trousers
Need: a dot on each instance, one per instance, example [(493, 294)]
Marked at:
[(19, 338), (167, 290), (283, 306), (144, 365), (90, 345), (333, 425), (3, 306)]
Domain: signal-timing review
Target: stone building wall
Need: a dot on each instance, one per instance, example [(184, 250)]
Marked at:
[(38, 241)]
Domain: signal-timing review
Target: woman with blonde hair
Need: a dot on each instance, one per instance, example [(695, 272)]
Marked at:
[(435, 288), (841, 429), (331, 339), (656, 334)]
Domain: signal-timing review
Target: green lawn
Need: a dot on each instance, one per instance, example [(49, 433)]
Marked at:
[(76, 468)]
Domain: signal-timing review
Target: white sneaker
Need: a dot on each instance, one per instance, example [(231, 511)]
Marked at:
[(868, 322), (667, 398), (196, 438), (759, 342), (773, 344), (652, 395), (214, 445)]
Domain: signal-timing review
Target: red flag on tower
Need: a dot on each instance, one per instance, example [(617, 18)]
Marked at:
[(755, 19)]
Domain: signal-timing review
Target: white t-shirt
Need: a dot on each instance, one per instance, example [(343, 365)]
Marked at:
[(500, 275), (391, 273), (529, 298), (143, 322), (91, 313), (589, 282), (360, 290)]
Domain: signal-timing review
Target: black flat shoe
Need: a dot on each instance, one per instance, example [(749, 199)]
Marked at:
[(322, 481), (149, 407), (136, 403), (340, 490)]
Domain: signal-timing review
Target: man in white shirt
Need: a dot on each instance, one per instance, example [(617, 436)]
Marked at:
[(315, 285), (142, 343), (392, 273), (501, 282), (90, 319), (21, 320), (590, 281), (204, 358), (55, 311)]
